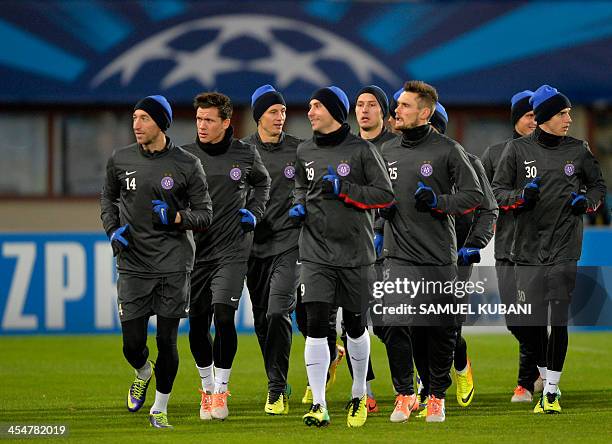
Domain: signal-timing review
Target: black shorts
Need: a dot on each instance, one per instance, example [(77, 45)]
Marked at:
[(349, 288), (506, 281), (216, 283), (544, 286), (166, 295)]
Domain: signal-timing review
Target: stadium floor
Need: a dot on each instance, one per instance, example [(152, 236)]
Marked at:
[(82, 382)]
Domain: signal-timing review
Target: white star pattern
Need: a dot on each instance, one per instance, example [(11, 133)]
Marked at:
[(284, 63)]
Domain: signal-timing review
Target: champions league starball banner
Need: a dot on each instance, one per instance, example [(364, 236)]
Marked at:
[(65, 52), (54, 283)]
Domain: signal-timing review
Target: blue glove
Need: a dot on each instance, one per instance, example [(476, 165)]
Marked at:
[(331, 183), (425, 198), (119, 239), (378, 243), (531, 192), (248, 220), (579, 204), (163, 213), (297, 211), (468, 256)]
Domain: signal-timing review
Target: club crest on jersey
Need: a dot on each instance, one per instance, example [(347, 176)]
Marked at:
[(235, 173), (569, 169), (289, 171), (344, 169), (426, 169), (167, 183)]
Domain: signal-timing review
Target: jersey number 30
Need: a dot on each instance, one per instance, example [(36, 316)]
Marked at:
[(530, 172)]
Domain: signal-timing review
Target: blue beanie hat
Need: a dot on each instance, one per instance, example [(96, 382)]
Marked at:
[(158, 108), (380, 96), (520, 105), (334, 100), (548, 101), (393, 103), (263, 98), (439, 119)]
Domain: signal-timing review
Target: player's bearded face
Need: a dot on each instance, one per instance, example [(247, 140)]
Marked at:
[(211, 127), (368, 112), (145, 129), (559, 123), (407, 112), (320, 119), (526, 124), (273, 120)]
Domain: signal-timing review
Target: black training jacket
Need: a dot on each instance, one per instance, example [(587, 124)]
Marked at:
[(339, 231), (384, 136), (276, 232), (504, 228), (134, 178), (476, 229), (442, 164), (232, 168), (548, 233)]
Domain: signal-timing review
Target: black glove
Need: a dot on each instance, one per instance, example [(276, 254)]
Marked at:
[(388, 212)]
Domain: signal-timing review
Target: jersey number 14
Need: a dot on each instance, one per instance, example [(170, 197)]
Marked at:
[(130, 183)]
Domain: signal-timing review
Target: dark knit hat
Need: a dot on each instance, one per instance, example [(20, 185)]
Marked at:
[(520, 105), (547, 102), (158, 108), (263, 98), (334, 100), (380, 95), (439, 119), (393, 103)]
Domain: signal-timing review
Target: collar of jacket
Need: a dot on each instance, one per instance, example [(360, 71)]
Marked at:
[(156, 154), (546, 139), (377, 138), (332, 139), (214, 149), (270, 146), (414, 136)]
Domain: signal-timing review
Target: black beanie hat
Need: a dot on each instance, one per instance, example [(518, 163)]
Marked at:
[(158, 108), (547, 102), (334, 100), (263, 98), (520, 105), (380, 95)]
